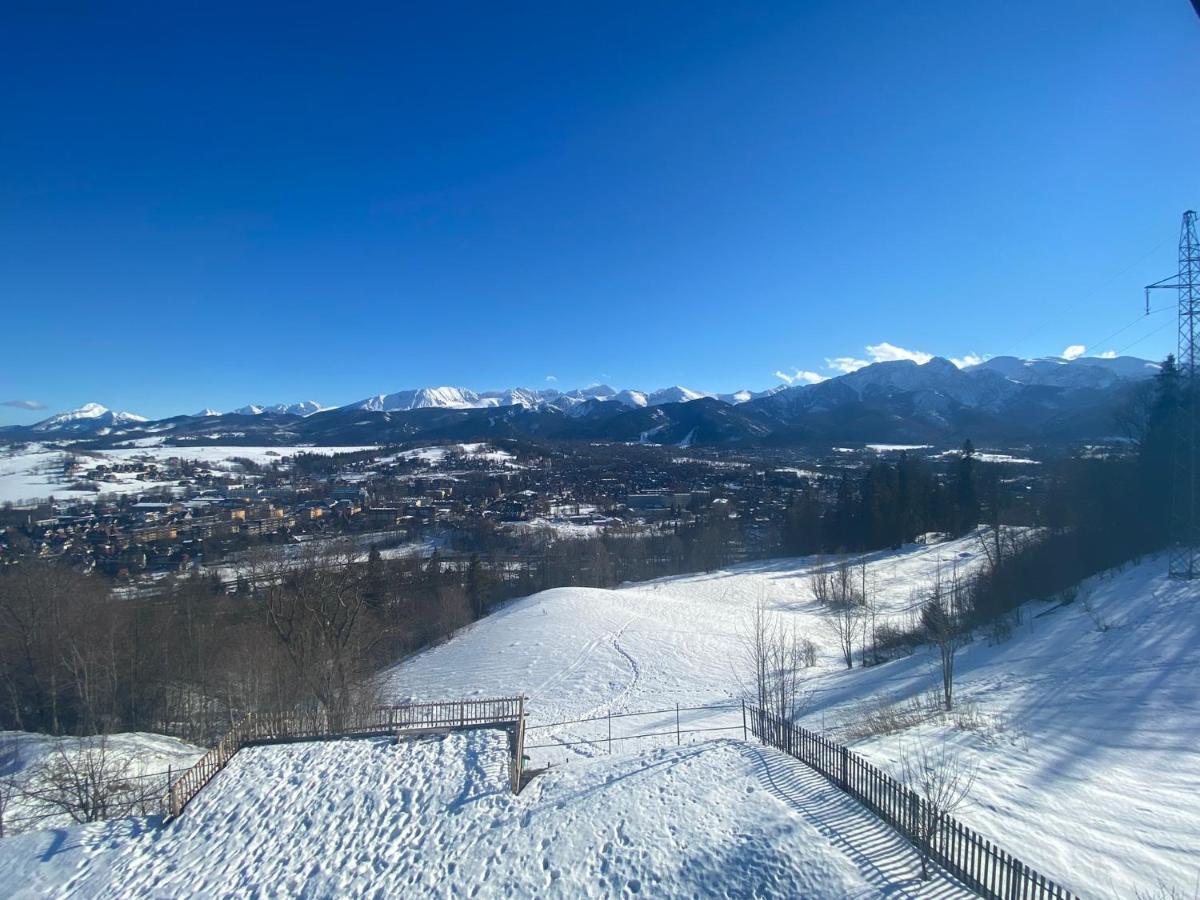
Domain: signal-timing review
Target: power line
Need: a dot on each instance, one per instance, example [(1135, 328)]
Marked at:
[(1075, 304)]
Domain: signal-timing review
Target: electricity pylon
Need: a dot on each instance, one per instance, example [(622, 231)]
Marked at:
[(1185, 488)]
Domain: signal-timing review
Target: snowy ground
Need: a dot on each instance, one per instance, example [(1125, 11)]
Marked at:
[(37, 471), (580, 652), (1083, 724), (145, 760), (434, 817)]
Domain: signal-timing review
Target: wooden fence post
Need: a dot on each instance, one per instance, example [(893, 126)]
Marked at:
[(744, 735), (678, 738), (610, 732)]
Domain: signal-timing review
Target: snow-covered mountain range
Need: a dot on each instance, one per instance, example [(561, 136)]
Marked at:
[(895, 400)]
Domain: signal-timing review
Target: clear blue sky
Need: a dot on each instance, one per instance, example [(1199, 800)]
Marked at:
[(208, 205)]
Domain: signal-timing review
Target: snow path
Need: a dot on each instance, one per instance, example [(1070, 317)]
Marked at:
[(434, 817)]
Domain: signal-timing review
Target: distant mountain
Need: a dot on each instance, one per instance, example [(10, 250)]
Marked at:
[(465, 398), (303, 408), (91, 417), (1002, 399)]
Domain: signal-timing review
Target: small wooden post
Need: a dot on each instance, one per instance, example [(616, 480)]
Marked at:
[(610, 732), (745, 736), (677, 735)]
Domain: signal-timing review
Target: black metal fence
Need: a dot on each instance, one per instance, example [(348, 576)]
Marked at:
[(965, 854)]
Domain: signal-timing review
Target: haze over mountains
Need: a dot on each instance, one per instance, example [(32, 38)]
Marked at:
[(1002, 398)]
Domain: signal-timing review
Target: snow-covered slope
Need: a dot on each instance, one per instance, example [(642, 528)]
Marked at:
[(434, 818), (144, 760), (1085, 737), (576, 652), (1084, 725)]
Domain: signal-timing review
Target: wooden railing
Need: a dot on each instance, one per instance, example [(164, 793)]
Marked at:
[(274, 728), (966, 855)]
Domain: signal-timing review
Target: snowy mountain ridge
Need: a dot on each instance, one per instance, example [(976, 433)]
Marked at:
[(1002, 398), (89, 417)]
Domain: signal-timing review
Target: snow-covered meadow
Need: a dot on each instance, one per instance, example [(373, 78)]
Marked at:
[(435, 817), (1081, 724), (39, 471)]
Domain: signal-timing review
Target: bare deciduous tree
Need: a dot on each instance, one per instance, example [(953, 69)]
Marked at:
[(773, 657), (316, 608), (943, 619), (837, 590), (86, 780), (945, 780)]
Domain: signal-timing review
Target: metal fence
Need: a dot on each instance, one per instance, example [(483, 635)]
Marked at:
[(965, 854), (668, 725)]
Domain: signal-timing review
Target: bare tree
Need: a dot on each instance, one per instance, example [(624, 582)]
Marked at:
[(837, 590), (773, 655), (943, 621), (944, 780), (316, 608), (10, 764), (86, 780)]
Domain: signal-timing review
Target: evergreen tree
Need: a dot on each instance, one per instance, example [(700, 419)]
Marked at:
[(966, 497)]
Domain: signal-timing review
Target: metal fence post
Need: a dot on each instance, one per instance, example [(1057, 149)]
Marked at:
[(678, 738), (610, 732), (744, 735)]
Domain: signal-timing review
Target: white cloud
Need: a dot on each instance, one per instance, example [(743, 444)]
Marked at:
[(845, 364), (1074, 351), (24, 404), (801, 377), (1109, 354), (552, 378), (886, 352), (971, 359)]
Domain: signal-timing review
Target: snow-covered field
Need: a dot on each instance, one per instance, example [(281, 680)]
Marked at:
[(578, 652), (37, 471), (1083, 724), (434, 817), (146, 759)]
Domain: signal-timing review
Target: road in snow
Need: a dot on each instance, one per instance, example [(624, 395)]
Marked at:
[(434, 817)]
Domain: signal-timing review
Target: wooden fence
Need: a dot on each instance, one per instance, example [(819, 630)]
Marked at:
[(976, 862), (276, 728)]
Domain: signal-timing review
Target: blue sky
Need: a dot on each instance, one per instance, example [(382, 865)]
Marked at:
[(202, 205)]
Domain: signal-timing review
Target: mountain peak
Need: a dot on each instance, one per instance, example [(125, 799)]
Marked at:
[(90, 416)]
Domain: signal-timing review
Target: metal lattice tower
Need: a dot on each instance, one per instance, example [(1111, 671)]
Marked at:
[(1185, 490)]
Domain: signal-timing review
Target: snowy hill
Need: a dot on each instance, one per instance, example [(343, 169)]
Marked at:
[(1083, 723)]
